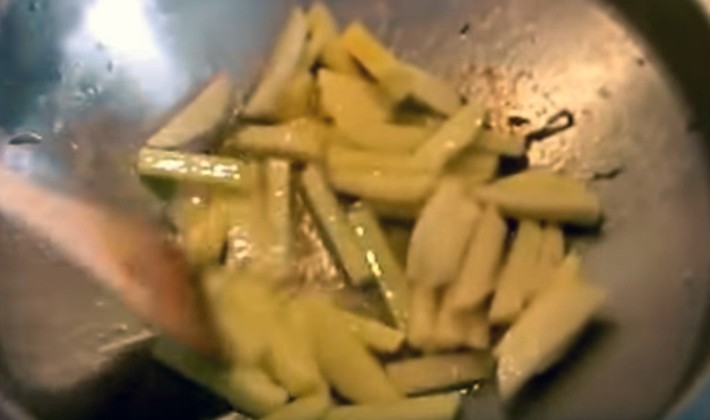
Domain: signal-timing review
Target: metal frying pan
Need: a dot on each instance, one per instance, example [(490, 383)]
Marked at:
[(82, 80)]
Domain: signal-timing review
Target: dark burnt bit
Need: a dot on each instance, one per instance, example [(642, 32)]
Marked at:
[(518, 121), (464, 29), (559, 122), (607, 175)]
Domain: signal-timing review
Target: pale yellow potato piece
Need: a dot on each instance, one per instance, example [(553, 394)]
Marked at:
[(284, 63), (423, 309), (384, 266), (244, 312), (455, 135), (254, 392), (377, 60), (374, 334), (479, 331), (474, 165), (441, 235), (407, 212), (438, 407), (202, 114), (552, 253), (476, 280), (325, 44), (543, 195), (298, 97), (437, 372), (543, 332), (348, 98), (332, 220), (278, 196), (303, 139), (291, 363), (512, 145), (431, 91), (345, 361), (518, 280), (309, 407), (384, 137), (378, 185), (345, 158)]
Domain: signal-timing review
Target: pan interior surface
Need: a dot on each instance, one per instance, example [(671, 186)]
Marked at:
[(90, 78)]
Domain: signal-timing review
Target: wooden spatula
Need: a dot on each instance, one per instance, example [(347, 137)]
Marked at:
[(127, 255)]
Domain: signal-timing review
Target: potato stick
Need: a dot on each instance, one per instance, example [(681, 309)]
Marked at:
[(543, 331), (433, 373), (325, 45), (543, 196), (243, 310), (479, 331), (552, 253), (202, 114), (377, 60), (335, 226), (431, 91), (383, 264), (309, 407), (349, 98), (213, 170), (291, 364), (456, 134), (302, 140), (474, 162), (424, 304), (476, 279), (451, 330), (344, 158), (379, 185), (511, 145), (518, 274), (374, 334), (441, 235), (284, 62), (254, 392), (297, 98), (384, 137), (345, 361), (438, 407), (279, 215), (407, 212)]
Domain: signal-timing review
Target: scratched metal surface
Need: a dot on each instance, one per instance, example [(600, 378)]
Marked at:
[(90, 77)]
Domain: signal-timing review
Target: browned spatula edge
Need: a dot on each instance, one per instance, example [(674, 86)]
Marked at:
[(125, 254)]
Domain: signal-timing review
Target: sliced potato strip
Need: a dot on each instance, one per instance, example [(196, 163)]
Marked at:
[(334, 223), (407, 212), (543, 195), (479, 331), (378, 185), (518, 280), (278, 195), (552, 249), (384, 137), (476, 280), (376, 335), (291, 363), (348, 98), (192, 167), (383, 264), (456, 134), (309, 407), (434, 373), (543, 332), (302, 140), (423, 307), (283, 64), (511, 145), (202, 114), (344, 158), (429, 90), (254, 391), (441, 235), (344, 360), (325, 45), (439, 407), (298, 97), (377, 60)]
